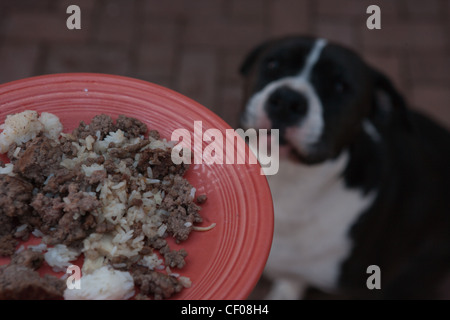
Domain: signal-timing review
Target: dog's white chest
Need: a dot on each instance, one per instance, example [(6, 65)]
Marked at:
[(313, 214)]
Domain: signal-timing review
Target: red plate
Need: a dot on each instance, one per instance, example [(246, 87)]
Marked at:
[(223, 263)]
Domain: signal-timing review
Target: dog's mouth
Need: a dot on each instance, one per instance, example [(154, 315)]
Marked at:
[(293, 146), (291, 150), (287, 150)]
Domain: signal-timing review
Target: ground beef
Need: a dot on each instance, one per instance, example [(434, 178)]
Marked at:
[(18, 282), (70, 231), (15, 196), (124, 262), (136, 202), (7, 242), (28, 258), (6, 224), (67, 219), (57, 182), (7, 245), (131, 126), (160, 162), (104, 227), (22, 234), (179, 224), (49, 209), (183, 212), (91, 161), (154, 134), (155, 283), (110, 166), (129, 151), (202, 198), (67, 147), (174, 258), (157, 242), (62, 179), (102, 124), (42, 157), (97, 177), (79, 202)]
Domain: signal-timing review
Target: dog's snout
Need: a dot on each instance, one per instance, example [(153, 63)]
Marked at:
[(286, 105)]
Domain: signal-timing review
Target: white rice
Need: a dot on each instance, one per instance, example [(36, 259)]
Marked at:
[(21, 228), (192, 193), (59, 257), (16, 152), (104, 283), (8, 169), (89, 170), (24, 126), (37, 233), (152, 262), (51, 175), (38, 248), (52, 125), (20, 249), (89, 142), (185, 282)]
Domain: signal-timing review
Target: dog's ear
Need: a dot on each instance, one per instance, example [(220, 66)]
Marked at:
[(251, 58), (388, 104)]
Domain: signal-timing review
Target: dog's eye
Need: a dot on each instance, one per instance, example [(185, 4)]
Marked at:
[(273, 65), (340, 86)]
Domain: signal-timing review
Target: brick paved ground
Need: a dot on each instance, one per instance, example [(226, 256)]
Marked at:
[(195, 46)]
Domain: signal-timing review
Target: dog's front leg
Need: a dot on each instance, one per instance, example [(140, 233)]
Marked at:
[(287, 289)]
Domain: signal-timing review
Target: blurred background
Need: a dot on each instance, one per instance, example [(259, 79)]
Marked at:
[(195, 47)]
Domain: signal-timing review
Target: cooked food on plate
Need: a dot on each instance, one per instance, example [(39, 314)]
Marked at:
[(106, 194)]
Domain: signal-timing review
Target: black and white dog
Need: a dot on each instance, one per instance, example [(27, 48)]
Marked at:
[(363, 181)]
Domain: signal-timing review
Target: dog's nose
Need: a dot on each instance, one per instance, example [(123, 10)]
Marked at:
[(286, 106)]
